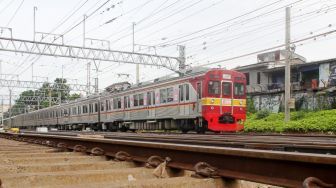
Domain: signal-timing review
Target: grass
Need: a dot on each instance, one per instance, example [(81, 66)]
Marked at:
[(323, 121)]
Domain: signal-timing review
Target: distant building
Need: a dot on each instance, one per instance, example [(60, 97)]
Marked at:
[(268, 74)]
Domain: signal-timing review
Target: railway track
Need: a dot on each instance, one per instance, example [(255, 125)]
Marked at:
[(289, 169), (31, 165), (292, 143)]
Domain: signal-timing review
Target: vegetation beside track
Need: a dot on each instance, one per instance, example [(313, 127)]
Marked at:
[(323, 121)]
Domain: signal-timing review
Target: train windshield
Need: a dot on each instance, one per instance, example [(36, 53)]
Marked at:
[(239, 89), (213, 87)]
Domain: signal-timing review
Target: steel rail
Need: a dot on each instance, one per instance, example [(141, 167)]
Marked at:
[(287, 169), (309, 145)]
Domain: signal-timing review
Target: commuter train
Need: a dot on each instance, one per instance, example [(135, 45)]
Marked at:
[(201, 99)]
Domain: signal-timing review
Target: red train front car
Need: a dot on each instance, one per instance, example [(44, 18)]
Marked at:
[(224, 100)]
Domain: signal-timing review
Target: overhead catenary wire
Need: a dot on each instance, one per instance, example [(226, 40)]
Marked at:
[(268, 49), (16, 11)]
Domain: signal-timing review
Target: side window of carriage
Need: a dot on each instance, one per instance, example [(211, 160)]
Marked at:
[(199, 90), (184, 92)]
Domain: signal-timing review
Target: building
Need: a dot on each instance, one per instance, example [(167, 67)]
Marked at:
[(312, 83), (268, 74)]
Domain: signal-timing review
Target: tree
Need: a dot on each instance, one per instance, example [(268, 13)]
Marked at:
[(59, 89)]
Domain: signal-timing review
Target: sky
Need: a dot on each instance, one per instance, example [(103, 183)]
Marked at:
[(211, 31)]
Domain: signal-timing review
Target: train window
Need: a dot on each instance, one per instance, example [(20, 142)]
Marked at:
[(116, 103), (79, 110), (96, 107), (181, 92), (226, 87), (213, 87), (149, 98), (141, 99), (74, 111), (187, 92), (127, 102), (102, 107), (135, 100), (170, 94), (153, 97), (90, 108), (239, 89), (163, 95), (199, 90), (108, 105), (85, 109)]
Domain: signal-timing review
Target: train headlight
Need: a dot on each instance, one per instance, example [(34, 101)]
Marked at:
[(241, 102), (212, 101)]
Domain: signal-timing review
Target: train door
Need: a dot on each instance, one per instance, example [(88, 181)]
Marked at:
[(199, 96), (184, 98), (226, 97), (151, 104)]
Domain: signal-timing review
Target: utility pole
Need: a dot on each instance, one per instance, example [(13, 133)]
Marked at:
[(32, 71), (287, 68), (49, 97), (84, 18), (2, 112), (181, 57), (10, 108), (88, 77), (137, 73), (34, 25)]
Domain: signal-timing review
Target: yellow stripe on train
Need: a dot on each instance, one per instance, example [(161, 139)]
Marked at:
[(225, 102)]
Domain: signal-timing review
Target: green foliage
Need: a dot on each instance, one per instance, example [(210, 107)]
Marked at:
[(74, 96), (323, 121), (250, 105), (262, 114), (58, 89)]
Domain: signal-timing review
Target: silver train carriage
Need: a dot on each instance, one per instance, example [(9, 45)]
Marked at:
[(166, 103)]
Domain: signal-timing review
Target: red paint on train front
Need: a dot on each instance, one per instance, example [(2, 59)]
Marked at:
[(224, 100)]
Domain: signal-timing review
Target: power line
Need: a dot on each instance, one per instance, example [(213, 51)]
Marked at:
[(15, 13), (271, 48), (8, 4), (66, 18), (87, 17)]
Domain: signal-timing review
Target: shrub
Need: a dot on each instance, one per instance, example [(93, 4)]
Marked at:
[(262, 114), (298, 115)]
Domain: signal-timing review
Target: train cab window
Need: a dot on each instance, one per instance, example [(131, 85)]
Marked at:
[(239, 89), (213, 87), (226, 87)]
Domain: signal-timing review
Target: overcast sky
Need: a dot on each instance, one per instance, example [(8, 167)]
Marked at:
[(211, 30)]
